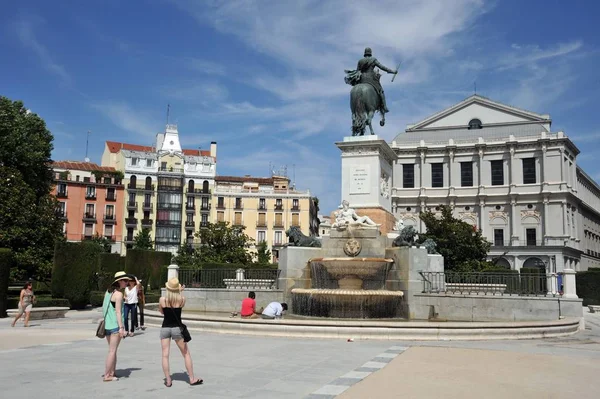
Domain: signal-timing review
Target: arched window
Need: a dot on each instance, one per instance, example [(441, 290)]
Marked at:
[(132, 181), (148, 183), (475, 124), (191, 186), (534, 262), (205, 186)]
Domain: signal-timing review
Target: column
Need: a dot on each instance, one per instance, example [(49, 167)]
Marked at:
[(569, 286), (450, 163), (513, 219), (172, 271), (513, 178), (543, 165), (481, 217), (421, 168), (479, 166), (421, 224), (563, 207), (546, 217)]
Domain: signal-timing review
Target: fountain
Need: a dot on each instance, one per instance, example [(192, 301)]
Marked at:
[(349, 286)]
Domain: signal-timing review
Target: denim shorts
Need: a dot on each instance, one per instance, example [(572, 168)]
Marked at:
[(111, 331), (171, 332)]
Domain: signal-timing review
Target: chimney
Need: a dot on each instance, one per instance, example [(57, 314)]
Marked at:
[(213, 149)]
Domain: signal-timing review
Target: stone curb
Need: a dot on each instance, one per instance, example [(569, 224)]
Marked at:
[(342, 383)]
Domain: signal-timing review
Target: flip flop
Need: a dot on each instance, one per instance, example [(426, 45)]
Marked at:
[(168, 385), (197, 382)]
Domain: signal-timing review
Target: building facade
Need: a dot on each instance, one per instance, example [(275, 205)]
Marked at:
[(91, 199), (266, 206), (505, 172), (168, 188)]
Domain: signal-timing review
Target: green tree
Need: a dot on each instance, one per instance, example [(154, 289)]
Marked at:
[(142, 240), (187, 256), (102, 242), (264, 255), (462, 246), (28, 221), (222, 243)]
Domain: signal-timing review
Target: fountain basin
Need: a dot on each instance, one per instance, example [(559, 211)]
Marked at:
[(346, 303), (350, 273)]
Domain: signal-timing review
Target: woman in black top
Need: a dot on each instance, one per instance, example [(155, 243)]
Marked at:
[(171, 307)]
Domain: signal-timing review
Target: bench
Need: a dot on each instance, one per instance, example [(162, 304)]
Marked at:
[(594, 308), (42, 313), (248, 284)]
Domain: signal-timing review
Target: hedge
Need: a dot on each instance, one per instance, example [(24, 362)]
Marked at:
[(214, 265), (6, 262), (97, 298), (500, 275), (75, 266), (147, 266), (594, 269), (588, 287), (152, 297), (533, 280), (41, 301), (108, 265)]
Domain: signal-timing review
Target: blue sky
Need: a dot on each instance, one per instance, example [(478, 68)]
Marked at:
[(265, 78)]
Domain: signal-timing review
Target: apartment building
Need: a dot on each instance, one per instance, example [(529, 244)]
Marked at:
[(168, 188), (267, 206), (505, 172), (91, 199)]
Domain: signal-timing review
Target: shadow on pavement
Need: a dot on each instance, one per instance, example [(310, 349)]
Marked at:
[(125, 373)]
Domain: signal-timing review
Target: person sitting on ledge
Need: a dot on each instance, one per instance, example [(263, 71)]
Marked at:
[(274, 310), (249, 307)]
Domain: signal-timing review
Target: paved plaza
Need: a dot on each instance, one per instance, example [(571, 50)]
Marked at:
[(61, 359)]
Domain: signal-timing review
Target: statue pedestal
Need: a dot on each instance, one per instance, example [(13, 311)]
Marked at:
[(367, 178)]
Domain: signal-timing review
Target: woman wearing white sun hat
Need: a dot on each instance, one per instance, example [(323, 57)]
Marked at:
[(113, 322), (170, 306)]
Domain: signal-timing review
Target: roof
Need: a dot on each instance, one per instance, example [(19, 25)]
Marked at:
[(443, 135), (115, 147), (244, 179), (77, 165)]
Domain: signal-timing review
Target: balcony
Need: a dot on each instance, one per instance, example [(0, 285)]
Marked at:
[(61, 214), (90, 196), (220, 205), (205, 207), (111, 196), (521, 243), (168, 222), (61, 194), (176, 207), (262, 208), (147, 206), (261, 223), (109, 219), (129, 239), (190, 207), (278, 225), (111, 238), (132, 205), (168, 240), (178, 189), (203, 224), (170, 169), (190, 224), (147, 187), (89, 217), (86, 237), (238, 207), (147, 222), (296, 208), (131, 222), (198, 191), (279, 207)]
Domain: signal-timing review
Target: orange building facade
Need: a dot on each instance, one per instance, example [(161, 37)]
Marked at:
[(91, 199)]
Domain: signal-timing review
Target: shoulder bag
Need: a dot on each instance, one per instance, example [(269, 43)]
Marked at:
[(183, 328), (101, 330)]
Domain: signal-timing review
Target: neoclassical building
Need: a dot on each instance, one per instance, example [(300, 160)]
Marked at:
[(506, 172)]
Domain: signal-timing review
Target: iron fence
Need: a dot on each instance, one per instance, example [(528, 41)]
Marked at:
[(214, 278), (496, 283)]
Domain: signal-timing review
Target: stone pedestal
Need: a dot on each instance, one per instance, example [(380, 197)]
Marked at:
[(172, 271), (569, 288), (367, 176), (294, 273)]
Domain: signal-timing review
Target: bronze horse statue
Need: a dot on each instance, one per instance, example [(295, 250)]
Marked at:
[(364, 102)]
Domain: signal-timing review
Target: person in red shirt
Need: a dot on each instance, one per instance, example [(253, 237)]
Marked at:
[(249, 307)]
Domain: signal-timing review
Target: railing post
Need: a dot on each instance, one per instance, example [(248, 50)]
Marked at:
[(172, 271), (239, 274), (552, 284), (569, 288)]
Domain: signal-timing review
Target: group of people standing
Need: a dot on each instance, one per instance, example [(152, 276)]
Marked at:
[(117, 308)]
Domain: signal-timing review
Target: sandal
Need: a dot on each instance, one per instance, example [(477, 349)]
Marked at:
[(197, 382), (168, 385)]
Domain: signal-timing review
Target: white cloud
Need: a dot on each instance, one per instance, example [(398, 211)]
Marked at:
[(24, 29), (128, 119)]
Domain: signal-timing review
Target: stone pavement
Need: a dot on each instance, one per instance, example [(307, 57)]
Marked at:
[(62, 359)]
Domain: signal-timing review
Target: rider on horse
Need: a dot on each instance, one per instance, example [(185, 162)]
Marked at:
[(365, 73)]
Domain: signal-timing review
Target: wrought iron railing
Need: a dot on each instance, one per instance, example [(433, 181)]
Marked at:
[(214, 278), (492, 283)]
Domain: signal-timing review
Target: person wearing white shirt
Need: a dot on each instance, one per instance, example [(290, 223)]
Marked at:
[(131, 302), (274, 310)]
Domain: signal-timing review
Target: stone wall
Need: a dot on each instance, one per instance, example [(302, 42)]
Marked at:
[(492, 308), (223, 300)]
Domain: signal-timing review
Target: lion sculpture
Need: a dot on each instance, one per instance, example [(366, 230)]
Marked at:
[(298, 239), (430, 246), (406, 238)]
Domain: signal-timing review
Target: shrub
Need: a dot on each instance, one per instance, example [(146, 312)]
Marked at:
[(76, 265), (533, 280), (147, 266), (588, 287), (152, 297), (108, 265), (594, 269), (6, 262), (500, 275), (41, 302), (97, 298)]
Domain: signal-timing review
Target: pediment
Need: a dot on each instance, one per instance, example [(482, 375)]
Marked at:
[(490, 113)]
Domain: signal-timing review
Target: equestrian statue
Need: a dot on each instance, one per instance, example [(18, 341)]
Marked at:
[(367, 96)]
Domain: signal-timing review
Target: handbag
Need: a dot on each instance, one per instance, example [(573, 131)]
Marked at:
[(183, 328), (101, 330)]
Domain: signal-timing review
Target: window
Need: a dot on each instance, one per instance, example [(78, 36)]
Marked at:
[(191, 186), (295, 219), (295, 204), (220, 216), (62, 189), (531, 235), (90, 192), (89, 210), (61, 209), (204, 219), (163, 166), (205, 189), (190, 218), (205, 203), (262, 219), (278, 220), (110, 211), (499, 237), (134, 161), (475, 124), (261, 236), (278, 204), (466, 174), (408, 175), (147, 199), (148, 163), (497, 172), (238, 203), (148, 183), (261, 204), (529, 171), (89, 230), (221, 202), (278, 236), (437, 175), (238, 219), (108, 231)]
